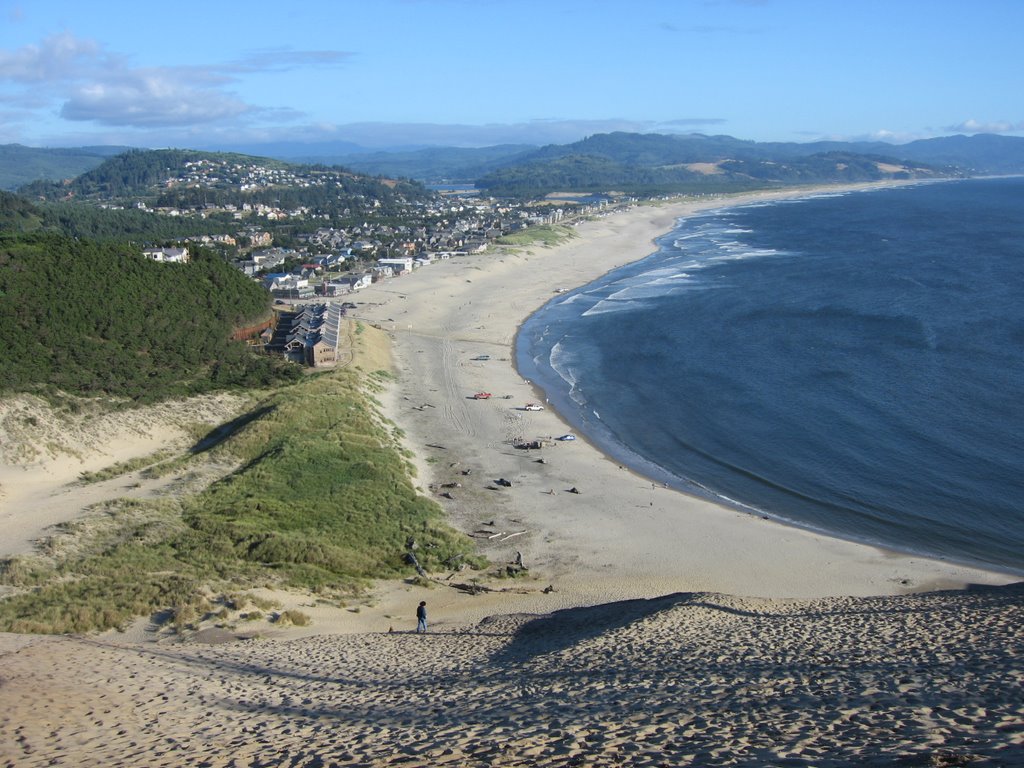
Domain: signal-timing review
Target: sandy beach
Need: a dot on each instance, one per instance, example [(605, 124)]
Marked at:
[(650, 627), (620, 537)]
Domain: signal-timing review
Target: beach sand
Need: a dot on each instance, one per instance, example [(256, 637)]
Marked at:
[(694, 679), (673, 631), (620, 537)]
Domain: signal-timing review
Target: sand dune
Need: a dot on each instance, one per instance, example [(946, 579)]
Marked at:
[(685, 679)]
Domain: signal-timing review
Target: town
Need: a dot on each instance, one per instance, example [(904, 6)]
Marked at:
[(307, 259)]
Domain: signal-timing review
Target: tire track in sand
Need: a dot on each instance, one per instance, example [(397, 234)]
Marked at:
[(456, 415)]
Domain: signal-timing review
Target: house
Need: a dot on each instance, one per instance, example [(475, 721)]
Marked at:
[(310, 334), (271, 257), (398, 266), (167, 255), (311, 270), (351, 283), (284, 286), (332, 261), (320, 352), (302, 293)]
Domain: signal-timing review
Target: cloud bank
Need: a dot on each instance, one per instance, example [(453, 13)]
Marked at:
[(83, 82)]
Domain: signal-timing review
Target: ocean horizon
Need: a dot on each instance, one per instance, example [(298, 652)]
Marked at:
[(848, 362)]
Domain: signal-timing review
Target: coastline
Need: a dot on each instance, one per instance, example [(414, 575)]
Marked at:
[(622, 537), (544, 356), (677, 631)]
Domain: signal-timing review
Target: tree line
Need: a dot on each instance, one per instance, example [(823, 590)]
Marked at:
[(96, 318)]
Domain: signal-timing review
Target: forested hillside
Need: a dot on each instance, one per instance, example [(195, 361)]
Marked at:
[(189, 179), (21, 165), (131, 173), (649, 164), (99, 319), (19, 215)]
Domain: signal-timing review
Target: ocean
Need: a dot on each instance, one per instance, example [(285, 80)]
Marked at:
[(852, 363)]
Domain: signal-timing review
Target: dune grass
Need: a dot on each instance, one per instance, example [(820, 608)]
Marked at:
[(125, 467), (322, 501), (546, 235)]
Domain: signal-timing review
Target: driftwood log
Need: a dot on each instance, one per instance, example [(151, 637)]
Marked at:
[(473, 589), (410, 557)]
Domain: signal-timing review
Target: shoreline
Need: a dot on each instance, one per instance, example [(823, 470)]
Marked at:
[(622, 537), (677, 632), (647, 468)]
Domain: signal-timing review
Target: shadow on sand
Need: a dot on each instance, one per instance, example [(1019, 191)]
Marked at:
[(563, 629)]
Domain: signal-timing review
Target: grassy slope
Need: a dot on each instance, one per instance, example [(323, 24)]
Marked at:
[(322, 500)]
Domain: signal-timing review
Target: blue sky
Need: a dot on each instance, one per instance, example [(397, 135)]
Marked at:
[(483, 72)]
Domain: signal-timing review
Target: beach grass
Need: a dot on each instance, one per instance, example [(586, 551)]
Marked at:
[(321, 500), (546, 235), (125, 467)]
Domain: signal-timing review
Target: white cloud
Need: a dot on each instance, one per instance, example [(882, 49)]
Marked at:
[(892, 137), (81, 81), (57, 58), (284, 59), (149, 98), (691, 122), (975, 126)]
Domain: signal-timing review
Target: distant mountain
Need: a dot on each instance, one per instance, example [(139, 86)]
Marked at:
[(436, 165), (981, 154), (655, 163), (314, 153), (625, 161), (20, 165)]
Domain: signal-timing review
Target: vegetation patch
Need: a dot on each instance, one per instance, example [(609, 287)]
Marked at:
[(99, 319), (547, 235), (292, 619), (322, 501), (124, 467)]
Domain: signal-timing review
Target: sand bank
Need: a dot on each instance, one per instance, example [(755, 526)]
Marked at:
[(43, 453)]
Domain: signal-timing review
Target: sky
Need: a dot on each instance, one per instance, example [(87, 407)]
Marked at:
[(390, 73)]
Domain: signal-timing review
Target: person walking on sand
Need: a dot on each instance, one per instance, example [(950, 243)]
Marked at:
[(421, 617)]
